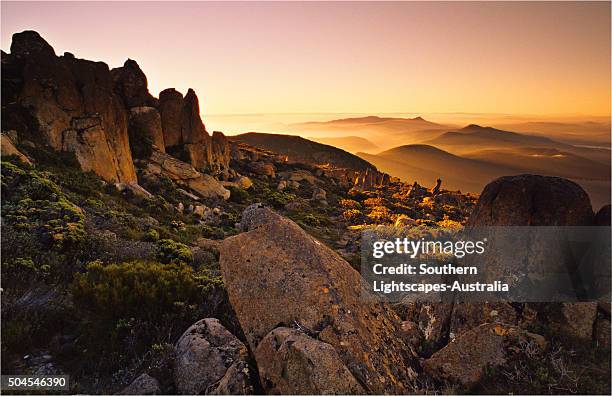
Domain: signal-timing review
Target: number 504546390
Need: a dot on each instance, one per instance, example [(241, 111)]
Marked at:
[(34, 382)]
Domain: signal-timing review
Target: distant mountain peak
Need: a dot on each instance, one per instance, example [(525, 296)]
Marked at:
[(473, 127)]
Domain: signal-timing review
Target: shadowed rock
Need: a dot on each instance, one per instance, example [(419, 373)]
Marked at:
[(131, 84), (206, 357), (185, 133), (464, 360), (170, 107), (532, 200), (602, 218), (291, 363), (68, 104), (145, 129)]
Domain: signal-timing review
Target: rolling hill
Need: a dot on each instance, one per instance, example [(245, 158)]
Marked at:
[(475, 138), (386, 132), (425, 163), (298, 149), (471, 172)]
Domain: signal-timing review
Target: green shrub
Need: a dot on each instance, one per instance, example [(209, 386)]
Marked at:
[(280, 199), (170, 251), (139, 289), (212, 232), (238, 195), (152, 235), (33, 203)]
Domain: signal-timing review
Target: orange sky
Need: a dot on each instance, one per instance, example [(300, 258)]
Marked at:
[(512, 58)]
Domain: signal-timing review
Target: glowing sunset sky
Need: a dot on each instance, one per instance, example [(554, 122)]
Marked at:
[(512, 58)]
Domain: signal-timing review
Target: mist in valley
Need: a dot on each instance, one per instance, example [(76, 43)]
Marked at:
[(465, 150)]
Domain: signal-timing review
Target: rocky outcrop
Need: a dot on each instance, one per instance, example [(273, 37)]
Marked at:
[(220, 150), (293, 363), (102, 116), (370, 178), (162, 163), (68, 104), (346, 169), (208, 357), (185, 133), (299, 282)]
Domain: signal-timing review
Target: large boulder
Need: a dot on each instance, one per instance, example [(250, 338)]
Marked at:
[(88, 141), (544, 261), (292, 363), (202, 184), (208, 187), (167, 165), (68, 104), (537, 264), (278, 275), (595, 269), (207, 356), (532, 200)]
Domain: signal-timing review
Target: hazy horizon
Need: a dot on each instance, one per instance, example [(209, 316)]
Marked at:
[(232, 124)]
